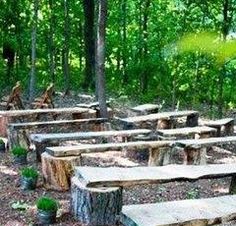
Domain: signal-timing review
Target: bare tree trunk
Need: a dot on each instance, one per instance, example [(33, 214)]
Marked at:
[(33, 52), (65, 51), (51, 42), (100, 57), (89, 41), (124, 44)]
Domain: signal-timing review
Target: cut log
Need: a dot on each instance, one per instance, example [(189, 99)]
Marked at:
[(164, 124), (57, 172), (145, 109), (95, 206)]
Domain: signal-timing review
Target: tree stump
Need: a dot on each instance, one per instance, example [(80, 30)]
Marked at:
[(232, 188), (164, 124), (156, 157), (195, 156), (192, 120), (95, 206), (57, 171)]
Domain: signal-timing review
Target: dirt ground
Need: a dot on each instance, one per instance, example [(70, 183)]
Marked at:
[(11, 193)]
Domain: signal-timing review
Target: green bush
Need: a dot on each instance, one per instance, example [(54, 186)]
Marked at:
[(29, 172), (19, 151), (1, 141), (47, 204)]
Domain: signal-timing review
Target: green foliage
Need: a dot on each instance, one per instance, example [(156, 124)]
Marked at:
[(29, 172), (19, 205), (19, 151), (193, 194), (47, 204), (1, 141)]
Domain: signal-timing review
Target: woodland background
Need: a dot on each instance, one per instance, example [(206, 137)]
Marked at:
[(43, 41)]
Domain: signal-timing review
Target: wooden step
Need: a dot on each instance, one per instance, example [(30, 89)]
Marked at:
[(185, 212)]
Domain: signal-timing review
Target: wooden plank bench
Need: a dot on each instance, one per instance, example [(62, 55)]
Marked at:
[(226, 124), (7, 117), (18, 133), (187, 132), (58, 162), (198, 212), (91, 184), (195, 149), (164, 120), (146, 109), (42, 141)]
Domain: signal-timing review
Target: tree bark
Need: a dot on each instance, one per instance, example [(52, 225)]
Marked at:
[(89, 41), (65, 52), (100, 58), (94, 206), (33, 52)]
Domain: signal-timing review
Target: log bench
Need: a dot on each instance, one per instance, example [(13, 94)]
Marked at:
[(226, 125), (195, 149), (164, 120), (187, 132), (42, 141), (146, 109), (18, 133), (7, 117), (96, 194), (58, 162)]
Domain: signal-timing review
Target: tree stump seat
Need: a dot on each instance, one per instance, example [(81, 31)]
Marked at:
[(186, 133), (89, 182), (226, 125), (42, 141), (18, 133), (164, 120), (146, 109)]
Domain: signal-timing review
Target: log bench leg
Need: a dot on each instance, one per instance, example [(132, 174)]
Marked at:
[(232, 188), (159, 156), (95, 206), (195, 156), (192, 120), (164, 124), (4, 121), (57, 171), (229, 129)]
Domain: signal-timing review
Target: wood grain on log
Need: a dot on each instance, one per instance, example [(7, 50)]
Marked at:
[(57, 172)]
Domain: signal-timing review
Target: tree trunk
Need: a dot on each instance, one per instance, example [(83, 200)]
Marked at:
[(89, 41), (33, 52), (124, 40), (94, 206), (65, 51), (51, 42), (100, 57)]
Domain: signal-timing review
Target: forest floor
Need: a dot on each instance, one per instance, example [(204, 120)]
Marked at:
[(11, 194)]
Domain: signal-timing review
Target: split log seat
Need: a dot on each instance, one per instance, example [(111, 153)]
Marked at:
[(96, 194), (187, 132), (164, 120), (146, 109), (15, 116), (42, 141), (226, 125), (95, 106), (65, 154), (18, 133), (195, 149), (198, 212)]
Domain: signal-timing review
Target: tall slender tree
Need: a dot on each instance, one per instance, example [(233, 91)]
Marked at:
[(100, 57)]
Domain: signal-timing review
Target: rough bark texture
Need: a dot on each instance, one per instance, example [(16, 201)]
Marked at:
[(100, 57), (95, 206), (164, 124), (57, 172), (192, 120)]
